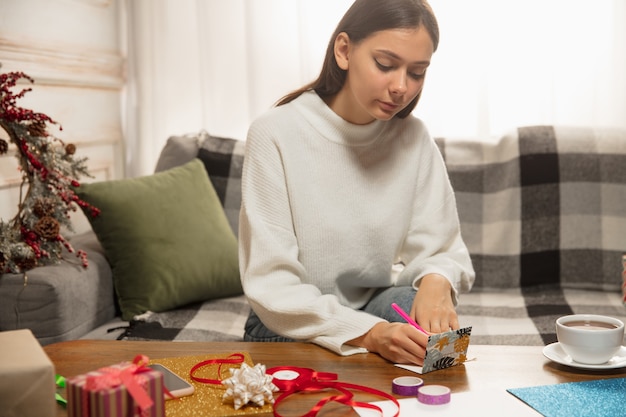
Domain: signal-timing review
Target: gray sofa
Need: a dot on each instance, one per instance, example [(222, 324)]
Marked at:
[(542, 209)]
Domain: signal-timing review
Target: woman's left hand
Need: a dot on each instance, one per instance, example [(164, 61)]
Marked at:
[(433, 308)]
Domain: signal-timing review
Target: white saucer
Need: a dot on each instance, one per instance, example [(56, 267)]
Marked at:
[(555, 352)]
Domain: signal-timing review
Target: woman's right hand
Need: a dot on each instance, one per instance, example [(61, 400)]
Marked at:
[(396, 342)]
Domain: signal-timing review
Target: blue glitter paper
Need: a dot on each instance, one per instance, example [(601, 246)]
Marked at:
[(599, 398)]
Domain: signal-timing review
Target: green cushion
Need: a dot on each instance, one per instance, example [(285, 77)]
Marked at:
[(166, 237)]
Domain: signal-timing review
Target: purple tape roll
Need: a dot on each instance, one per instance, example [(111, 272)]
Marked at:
[(406, 385), (433, 394)]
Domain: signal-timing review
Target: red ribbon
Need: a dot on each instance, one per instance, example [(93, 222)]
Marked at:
[(129, 376), (235, 358), (311, 380)]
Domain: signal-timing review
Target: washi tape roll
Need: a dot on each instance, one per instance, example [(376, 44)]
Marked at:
[(433, 394), (406, 385)]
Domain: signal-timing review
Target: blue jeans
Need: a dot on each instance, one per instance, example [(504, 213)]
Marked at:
[(379, 305)]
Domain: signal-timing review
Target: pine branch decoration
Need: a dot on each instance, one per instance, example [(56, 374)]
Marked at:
[(50, 173)]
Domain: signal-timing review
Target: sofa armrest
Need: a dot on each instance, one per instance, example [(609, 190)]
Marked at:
[(60, 302)]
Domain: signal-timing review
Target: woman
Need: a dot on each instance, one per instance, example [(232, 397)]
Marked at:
[(346, 202)]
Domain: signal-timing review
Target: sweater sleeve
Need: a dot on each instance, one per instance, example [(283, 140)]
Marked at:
[(434, 243), (272, 276)]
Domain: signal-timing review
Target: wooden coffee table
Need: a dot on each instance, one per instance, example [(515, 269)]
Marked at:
[(490, 367)]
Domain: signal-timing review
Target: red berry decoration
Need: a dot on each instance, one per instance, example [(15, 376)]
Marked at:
[(50, 174)]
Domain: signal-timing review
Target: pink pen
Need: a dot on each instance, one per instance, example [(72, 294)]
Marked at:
[(407, 318)]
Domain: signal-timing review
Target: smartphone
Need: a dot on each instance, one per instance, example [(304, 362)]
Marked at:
[(177, 386)]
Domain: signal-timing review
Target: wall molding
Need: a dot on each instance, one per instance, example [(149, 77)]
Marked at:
[(99, 3), (95, 168), (94, 141), (62, 65), (11, 182)]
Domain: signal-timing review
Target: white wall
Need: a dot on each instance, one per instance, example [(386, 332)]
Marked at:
[(72, 50)]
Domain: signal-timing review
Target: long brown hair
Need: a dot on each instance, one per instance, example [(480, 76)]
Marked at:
[(362, 19)]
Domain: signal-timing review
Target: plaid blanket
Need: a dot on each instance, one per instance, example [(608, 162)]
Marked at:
[(542, 210), (220, 320), (527, 316), (504, 317), (542, 205)]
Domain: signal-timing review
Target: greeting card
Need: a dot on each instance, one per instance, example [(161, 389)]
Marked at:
[(443, 351)]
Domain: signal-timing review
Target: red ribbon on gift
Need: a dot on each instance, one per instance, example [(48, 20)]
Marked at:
[(129, 376), (310, 380), (235, 358)]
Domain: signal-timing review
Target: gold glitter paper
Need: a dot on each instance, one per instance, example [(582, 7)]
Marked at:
[(206, 401)]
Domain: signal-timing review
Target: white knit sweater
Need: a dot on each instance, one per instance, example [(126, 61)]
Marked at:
[(329, 207)]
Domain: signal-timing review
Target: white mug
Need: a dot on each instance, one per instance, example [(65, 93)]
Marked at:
[(590, 338)]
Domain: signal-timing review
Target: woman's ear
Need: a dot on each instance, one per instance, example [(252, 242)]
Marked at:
[(342, 49)]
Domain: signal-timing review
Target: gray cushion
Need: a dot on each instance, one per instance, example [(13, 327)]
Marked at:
[(223, 160), (179, 150)]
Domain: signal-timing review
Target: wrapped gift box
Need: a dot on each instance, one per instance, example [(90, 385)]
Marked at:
[(27, 384), (119, 390)]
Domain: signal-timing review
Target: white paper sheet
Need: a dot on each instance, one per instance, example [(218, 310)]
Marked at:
[(412, 368), (484, 403), (418, 369)]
